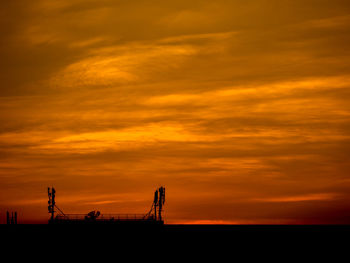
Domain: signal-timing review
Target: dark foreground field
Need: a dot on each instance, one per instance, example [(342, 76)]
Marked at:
[(242, 231), (176, 229), (177, 242), (184, 233)]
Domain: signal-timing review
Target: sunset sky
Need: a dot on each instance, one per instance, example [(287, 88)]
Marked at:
[(241, 109)]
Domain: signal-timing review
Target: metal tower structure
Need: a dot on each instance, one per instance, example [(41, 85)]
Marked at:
[(51, 193), (158, 202), (153, 217)]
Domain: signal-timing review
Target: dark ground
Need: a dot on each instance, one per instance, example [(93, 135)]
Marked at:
[(238, 233), (250, 241)]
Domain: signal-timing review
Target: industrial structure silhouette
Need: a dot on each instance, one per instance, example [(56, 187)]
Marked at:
[(11, 220), (153, 217)]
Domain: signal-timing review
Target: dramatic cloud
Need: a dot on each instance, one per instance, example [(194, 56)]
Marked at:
[(239, 108)]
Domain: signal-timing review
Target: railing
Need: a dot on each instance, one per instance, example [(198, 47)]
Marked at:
[(105, 217)]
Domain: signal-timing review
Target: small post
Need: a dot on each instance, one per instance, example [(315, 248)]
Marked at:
[(8, 217)]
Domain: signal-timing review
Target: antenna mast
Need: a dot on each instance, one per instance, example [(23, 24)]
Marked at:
[(161, 202), (51, 193), (159, 199)]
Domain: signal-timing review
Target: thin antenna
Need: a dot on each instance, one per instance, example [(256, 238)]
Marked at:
[(161, 202), (155, 202), (51, 207)]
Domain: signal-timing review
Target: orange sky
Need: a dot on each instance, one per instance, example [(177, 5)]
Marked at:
[(239, 108)]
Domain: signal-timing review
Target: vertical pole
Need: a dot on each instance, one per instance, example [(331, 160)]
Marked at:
[(161, 202), (49, 202), (155, 211), (16, 217), (160, 206), (155, 204), (53, 203), (8, 217), (160, 209)]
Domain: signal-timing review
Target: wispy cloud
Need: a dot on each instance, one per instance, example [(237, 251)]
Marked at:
[(299, 198)]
